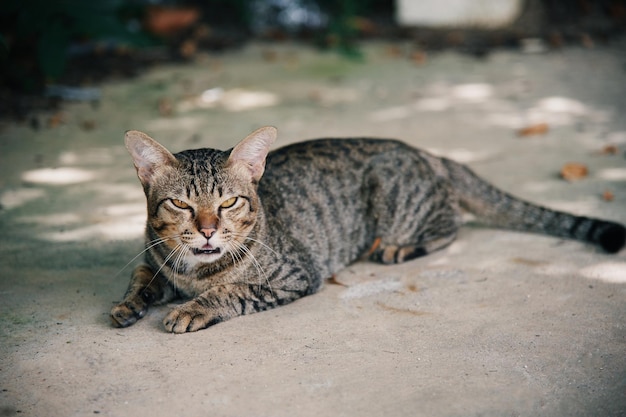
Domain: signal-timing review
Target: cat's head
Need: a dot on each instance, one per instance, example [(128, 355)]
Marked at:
[(202, 203)]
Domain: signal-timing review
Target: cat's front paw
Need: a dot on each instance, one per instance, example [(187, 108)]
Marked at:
[(189, 317), (127, 313)]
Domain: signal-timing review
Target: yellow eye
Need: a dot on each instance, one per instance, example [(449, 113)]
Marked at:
[(229, 203), (179, 203)]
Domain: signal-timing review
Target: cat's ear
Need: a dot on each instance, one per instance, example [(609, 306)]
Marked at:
[(250, 153), (149, 156)]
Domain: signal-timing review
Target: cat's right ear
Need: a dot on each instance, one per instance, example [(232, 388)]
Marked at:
[(149, 156), (250, 153)]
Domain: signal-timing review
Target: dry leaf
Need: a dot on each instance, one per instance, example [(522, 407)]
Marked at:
[(533, 130), (188, 48), (56, 119), (610, 150), (608, 195), (334, 281), (419, 57), (165, 107), (88, 125), (573, 171), (393, 51)]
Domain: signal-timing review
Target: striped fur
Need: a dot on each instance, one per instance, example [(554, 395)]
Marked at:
[(301, 214)]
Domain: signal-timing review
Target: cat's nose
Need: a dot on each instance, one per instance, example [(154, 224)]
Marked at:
[(207, 233)]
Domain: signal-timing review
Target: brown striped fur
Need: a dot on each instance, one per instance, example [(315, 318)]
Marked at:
[(240, 231)]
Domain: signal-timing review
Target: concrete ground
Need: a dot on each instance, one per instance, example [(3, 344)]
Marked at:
[(498, 324)]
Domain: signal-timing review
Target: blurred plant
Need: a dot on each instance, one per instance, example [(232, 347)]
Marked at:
[(35, 34), (343, 29)]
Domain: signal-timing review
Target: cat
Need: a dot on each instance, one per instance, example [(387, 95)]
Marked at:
[(245, 230)]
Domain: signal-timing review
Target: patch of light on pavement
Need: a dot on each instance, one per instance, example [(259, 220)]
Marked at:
[(473, 92), (609, 272), (58, 176), (432, 104), (613, 174), (562, 105), (10, 199), (366, 289), (391, 113), (129, 228)]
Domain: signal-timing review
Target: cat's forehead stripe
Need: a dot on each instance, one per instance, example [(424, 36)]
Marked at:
[(202, 168)]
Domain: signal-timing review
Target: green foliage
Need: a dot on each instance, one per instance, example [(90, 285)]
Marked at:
[(342, 30), (48, 27)]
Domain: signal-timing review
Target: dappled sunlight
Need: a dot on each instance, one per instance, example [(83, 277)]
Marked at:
[(391, 113), (126, 228), (234, 100), (94, 156), (496, 105), (10, 199), (541, 186), (366, 289), (579, 207), (120, 191), (479, 92), (562, 105), (612, 174), (433, 104), (84, 205), (54, 219), (58, 176), (462, 155), (562, 111), (111, 222), (557, 269), (184, 123), (607, 271)]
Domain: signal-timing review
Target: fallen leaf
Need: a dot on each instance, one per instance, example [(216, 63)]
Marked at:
[(334, 281), (88, 125), (56, 119), (419, 57), (608, 195), (609, 150), (534, 130), (188, 48), (165, 107), (573, 171)]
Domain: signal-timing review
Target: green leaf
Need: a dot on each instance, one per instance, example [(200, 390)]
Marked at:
[(52, 49)]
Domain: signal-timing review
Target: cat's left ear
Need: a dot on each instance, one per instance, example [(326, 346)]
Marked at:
[(250, 153), (149, 156)]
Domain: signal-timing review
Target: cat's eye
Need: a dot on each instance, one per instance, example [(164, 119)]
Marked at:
[(179, 203), (229, 203)]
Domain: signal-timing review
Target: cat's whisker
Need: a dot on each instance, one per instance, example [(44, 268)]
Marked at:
[(244, 250), (256, 241), (149, 245), (167, 258), (179, 261)]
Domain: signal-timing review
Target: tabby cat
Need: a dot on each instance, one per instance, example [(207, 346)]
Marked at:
[(240, 231)]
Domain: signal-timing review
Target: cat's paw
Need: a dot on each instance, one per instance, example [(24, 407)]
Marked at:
[(127, 313), (188, 317)]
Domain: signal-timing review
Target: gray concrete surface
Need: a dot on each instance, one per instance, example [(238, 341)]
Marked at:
[(498, 324)]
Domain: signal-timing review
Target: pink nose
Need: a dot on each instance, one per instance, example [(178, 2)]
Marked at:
[(207, 233)]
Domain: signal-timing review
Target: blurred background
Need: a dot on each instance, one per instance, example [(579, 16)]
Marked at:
[(51, 51)]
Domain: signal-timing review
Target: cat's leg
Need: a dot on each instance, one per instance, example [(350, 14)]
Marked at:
[(416, 213), (395, 254), (143, 290), (225, 301)]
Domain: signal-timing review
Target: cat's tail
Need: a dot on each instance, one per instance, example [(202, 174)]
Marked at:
[(496, 208)]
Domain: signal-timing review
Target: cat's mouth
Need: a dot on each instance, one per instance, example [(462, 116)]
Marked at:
[(206, 250)]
